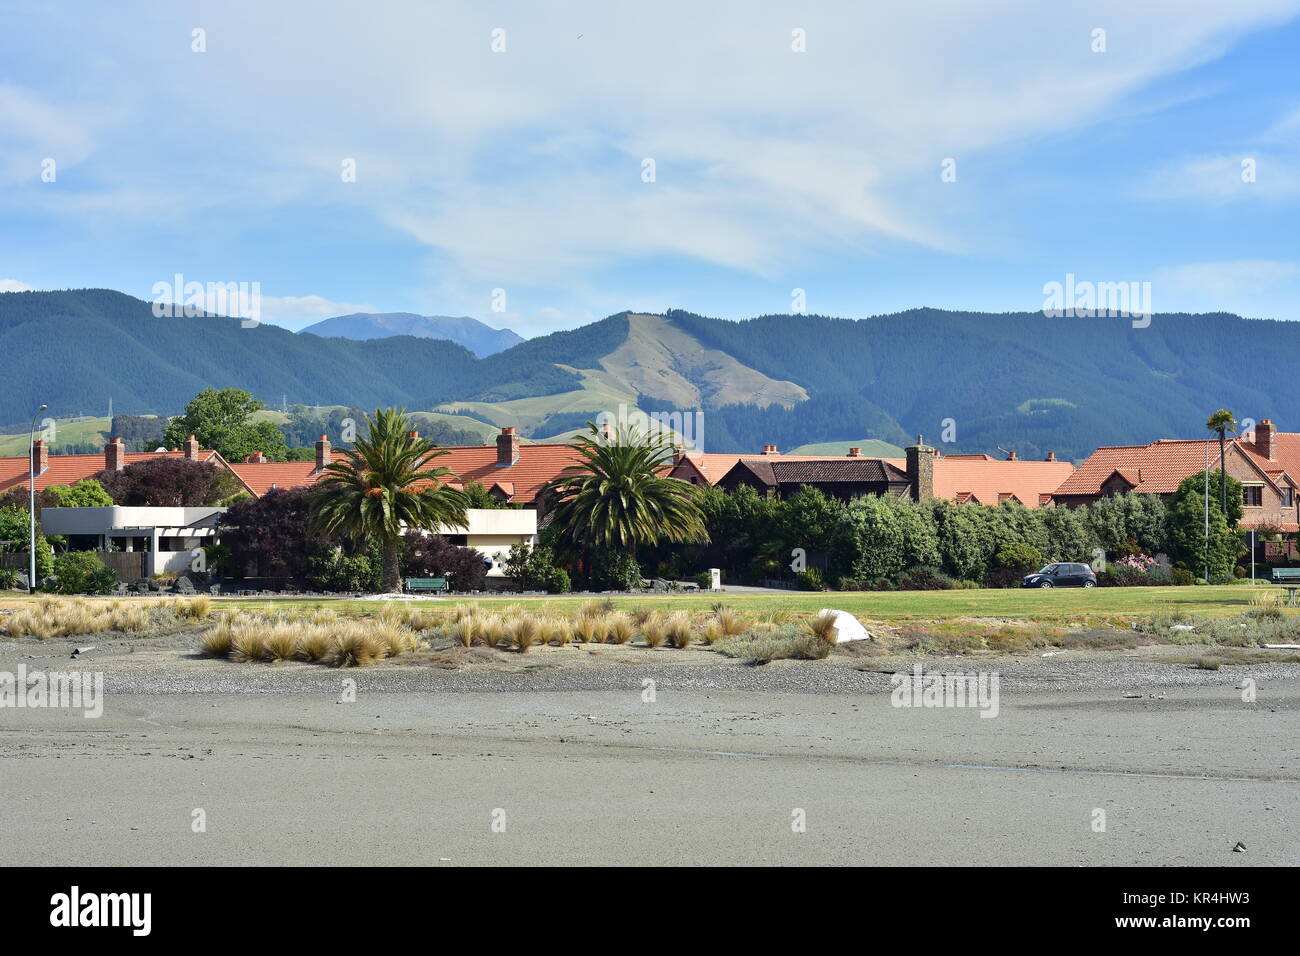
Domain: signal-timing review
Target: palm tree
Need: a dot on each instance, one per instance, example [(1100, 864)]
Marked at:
[(619, 497), (1221, 423), (385, 485)]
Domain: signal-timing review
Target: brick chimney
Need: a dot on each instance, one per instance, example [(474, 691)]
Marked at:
[(1265, 439), (413, 435), (1011, 456), (770, 450), (40, 456), (507, 447), (920, 470), (855, 452), (115, 455), (323, 453), (192, 448), (256, 458), (1051, 456)]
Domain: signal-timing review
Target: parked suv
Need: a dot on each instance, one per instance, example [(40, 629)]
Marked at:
[(1061, 574)]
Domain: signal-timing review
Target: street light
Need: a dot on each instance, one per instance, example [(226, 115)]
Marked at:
[(31, 503)]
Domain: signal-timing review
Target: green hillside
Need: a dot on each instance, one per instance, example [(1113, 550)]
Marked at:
[(871, 448), (967, 381)]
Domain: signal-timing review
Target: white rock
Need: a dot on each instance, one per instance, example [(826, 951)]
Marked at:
[(847, 627)]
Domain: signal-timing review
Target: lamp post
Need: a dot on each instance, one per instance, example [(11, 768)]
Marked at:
[(31, 504)]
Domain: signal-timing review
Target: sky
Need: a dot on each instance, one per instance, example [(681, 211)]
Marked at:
[(541, 166)]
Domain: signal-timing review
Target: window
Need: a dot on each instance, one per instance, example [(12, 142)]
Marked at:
[(1288, 497), (1252, 496)]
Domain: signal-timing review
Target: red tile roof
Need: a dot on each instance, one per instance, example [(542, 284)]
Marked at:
[(1159, 468), (70, 469), (519, 482), (986, 480)]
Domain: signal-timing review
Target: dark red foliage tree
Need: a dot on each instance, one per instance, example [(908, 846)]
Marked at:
[(269, 536), (433, 556), (162, 482)]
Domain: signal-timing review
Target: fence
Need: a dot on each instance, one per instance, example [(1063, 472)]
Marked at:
[(129, 565)]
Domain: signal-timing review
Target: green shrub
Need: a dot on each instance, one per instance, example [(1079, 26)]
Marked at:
[(82, 572), (534, 569), (811, 580)]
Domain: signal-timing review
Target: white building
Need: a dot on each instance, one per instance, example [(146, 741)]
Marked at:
[(173, 538)]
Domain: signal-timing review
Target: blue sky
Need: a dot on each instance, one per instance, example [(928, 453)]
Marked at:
[(522, 169)]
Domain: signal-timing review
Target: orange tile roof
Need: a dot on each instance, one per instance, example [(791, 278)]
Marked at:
[(70, 469), (520, 482), (987, 480), (1159, 468), (261, 476)]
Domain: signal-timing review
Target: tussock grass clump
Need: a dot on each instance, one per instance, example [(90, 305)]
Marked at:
[(465, 630), (765, 643), (1266, 605), (72, 617), (589, 628), (713, 633), (248, 643), (653, 632), (281, 643), (491, 631), (216, 642), (315, 644), (194, 610), (678, 630), (523, 633), (729, 622), (559, 631), (822, 627), (354, 646), (1208, 663), (596, 608), (618, 628)]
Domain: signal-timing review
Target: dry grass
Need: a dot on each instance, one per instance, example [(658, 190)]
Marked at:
[(465, 631), (72, 617), (822, 627), (653, 631), (678, 630), (618, 628), (248, 636), (523, 633)]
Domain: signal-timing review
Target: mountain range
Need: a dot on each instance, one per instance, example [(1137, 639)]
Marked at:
[(482, 340), (968, 381)]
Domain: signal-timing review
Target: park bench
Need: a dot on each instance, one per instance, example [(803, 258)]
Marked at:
[(1289, 578), (426, 584)]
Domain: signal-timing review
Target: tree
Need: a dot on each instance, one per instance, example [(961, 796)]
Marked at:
[(384, 486), (273, 531), (1221, 423), (165, 482), (1188, 542), (87, 493), (433, 556), (222, 419), (619, 496)]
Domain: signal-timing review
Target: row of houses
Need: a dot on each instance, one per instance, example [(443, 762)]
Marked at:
[(516, 473)]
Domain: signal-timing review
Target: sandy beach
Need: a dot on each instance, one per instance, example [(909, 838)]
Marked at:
[(551, 759)]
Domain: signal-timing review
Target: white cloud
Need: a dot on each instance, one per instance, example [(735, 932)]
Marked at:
[(524, 167), (1258, 288), (295, 312), (13, 285), (1219, 179)]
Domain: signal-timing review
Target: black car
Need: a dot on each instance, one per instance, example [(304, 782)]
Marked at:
[(1061, 574)]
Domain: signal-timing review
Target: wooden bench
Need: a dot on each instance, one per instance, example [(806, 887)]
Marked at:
[(430, 584), (1289, 578)]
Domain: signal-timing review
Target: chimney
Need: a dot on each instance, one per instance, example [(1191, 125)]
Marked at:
[(115, 455), (323, 454), (855, 452), (1011, 456), (920, 470), (192, 448), (1264, 439), (413, 435), (770, 450), (507, 447), (1051, 456), (40, 456), (256, 458)]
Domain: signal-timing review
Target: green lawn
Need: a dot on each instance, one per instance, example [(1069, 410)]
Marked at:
[(1113, 605)]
